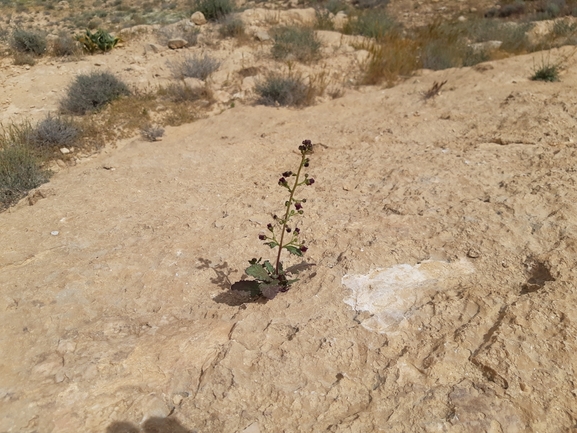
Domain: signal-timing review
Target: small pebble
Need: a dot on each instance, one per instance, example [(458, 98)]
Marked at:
[(472, 253), (54, 233)]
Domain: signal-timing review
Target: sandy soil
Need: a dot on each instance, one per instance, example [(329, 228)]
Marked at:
[(116, 310)]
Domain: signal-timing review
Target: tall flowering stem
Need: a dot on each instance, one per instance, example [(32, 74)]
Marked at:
[(306, 149), (270, 280)]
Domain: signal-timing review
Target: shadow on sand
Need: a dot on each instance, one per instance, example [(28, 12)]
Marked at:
[(152, 425)]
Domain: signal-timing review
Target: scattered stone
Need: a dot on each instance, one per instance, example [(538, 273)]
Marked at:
[(462, 19), (63, 5), (473, 253), (153, 48), (175, 44), (54, 232), (177, 399), (222, 96), (64, 150), (248, 83), (194, 83), (34, 196), (486, 46), (198, 18), (262, 35)]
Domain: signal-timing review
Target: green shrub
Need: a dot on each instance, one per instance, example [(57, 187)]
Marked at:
[(289, 90), (546, 71), (54, 132), (298, 42), (335, 6), (90, 92), (99, 40), (214, 9), (231, 28), (323, 20), (20, 172), (372, 24), (370, 4), (194, 67), (26, 41), (442, 46)]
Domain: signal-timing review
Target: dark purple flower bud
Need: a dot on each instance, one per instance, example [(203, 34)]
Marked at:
[(303, 249), (269, 226), (274, 217), (282, 181), (288, 229), (297, 231), (306, 164), (298, 206), (309, 181), (262, 237), (287, 174)]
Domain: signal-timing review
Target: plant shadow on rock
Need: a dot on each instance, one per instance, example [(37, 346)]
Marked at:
[(152, 425)]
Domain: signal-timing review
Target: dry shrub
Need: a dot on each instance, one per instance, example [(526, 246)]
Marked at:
[(397, 57)]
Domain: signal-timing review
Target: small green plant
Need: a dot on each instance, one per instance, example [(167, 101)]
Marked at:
[(26, 41), (194, 67), (281, 89), (323, 20), (300, 43), (100, 40), (90, 92), (214, 10), (372, 24), (269, 278), (546, 71), (231, 28), (19, 173)]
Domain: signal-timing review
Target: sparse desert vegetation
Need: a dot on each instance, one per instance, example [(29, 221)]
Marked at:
[(293, 70)]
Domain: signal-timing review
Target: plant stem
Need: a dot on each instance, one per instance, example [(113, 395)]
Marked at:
[(288, 208)]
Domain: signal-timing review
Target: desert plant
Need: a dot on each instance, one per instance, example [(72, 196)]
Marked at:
[(65, 45), (24, 59), (26, 41), (269, 278), (214, 9), (546, 71), (300, 43), (90, 92), (282, 89), (100, 40), (231, 27), (323, 20), (53, 132), (20, 172), (181, 92), (194, 67), (388, 61), (372, 24), (151, 132)]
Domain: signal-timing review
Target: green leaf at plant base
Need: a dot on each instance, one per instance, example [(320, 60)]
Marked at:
[(271, 244), (294, 250), (258, 271), (269, 268)]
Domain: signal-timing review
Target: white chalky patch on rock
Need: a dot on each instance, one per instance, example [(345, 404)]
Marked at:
[(390, 294)]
